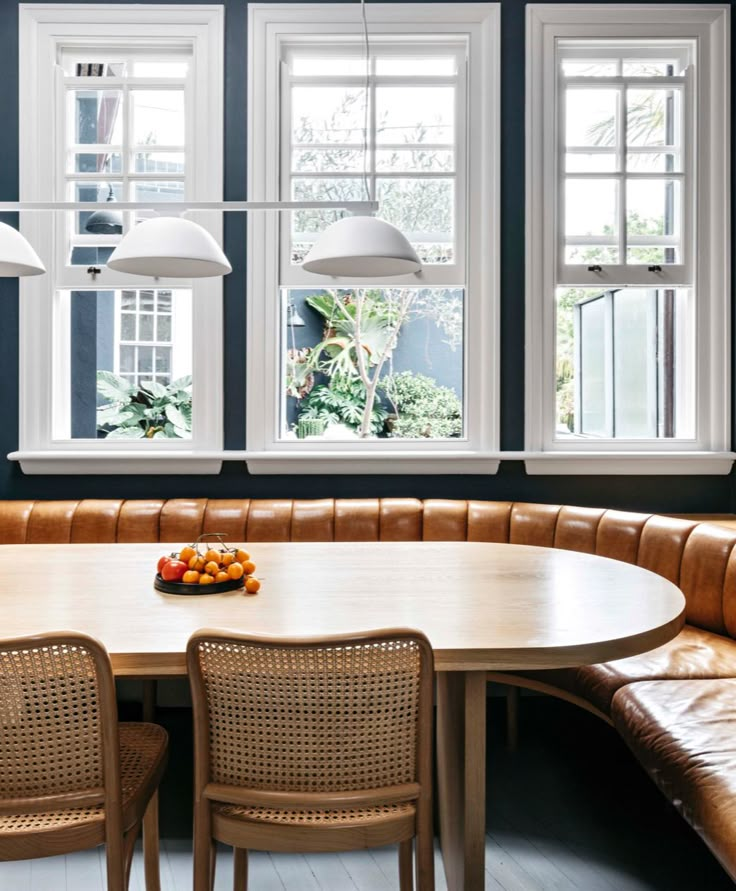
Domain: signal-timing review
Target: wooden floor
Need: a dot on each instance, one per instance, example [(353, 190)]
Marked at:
[(570, 810)]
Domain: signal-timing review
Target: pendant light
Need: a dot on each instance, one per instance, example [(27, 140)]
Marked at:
[(362, 246), (105, 222), (169, 247), (17, 257)]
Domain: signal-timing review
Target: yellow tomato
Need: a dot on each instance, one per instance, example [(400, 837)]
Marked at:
[(206, 579), (213, 556), (252, 584), (241, 556), (222, 576), (191, 577), (235, 570), (227, 558), (249, 567), (186, 554), (212, 568), (196, 563)]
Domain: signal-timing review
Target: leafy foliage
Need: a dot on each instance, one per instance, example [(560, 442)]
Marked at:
[(150, 411), (425, 410), (342, 401)]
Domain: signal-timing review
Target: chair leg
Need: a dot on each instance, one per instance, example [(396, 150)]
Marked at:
[(151, 845), (203, 870), (240, 869), (128, 848), (424, 845), (406, 881), (115, 856), (512, 718), (213, 863)]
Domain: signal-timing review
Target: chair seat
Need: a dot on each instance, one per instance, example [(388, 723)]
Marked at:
[(352, 817), (142, 760), (275, 829), (684, 734)]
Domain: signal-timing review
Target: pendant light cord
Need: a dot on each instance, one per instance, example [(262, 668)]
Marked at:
[(367, 59)]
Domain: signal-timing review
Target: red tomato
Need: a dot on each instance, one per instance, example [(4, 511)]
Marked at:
[(173, 570), (162, 562)]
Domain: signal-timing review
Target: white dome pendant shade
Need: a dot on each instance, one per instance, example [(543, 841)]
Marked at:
[(17, 257), (362, 247), (169, 247)]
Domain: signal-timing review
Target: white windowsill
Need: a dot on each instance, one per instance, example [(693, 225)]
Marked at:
[(372, 462)]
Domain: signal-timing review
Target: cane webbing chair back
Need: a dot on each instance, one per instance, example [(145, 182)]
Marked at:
[(57, 711), (71, 776), (312, 733)]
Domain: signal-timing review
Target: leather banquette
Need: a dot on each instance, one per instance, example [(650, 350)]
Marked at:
[(675, 706)]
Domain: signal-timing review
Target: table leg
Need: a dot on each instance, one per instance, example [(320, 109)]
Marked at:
[(461, 772)]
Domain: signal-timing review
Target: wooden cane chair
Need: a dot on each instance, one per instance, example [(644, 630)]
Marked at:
[(318, 744), (71, 777)]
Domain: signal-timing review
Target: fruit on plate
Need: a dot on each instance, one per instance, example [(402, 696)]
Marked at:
[(205, 564), (173, 570)]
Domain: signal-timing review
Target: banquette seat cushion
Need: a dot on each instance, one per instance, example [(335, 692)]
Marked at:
[(684, 735)]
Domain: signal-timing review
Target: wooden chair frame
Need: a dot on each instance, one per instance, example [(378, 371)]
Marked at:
[(242, 834), (118, 838)]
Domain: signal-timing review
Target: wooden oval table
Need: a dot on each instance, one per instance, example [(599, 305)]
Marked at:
[(484, 607)]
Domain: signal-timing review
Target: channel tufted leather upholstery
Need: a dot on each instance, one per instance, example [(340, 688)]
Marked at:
[(684, 734), (675, 706)]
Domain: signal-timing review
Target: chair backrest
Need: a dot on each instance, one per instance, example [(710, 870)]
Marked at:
[(316, 716), (58, 724)]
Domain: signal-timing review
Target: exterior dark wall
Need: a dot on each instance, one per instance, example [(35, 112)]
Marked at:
[(672, 494)]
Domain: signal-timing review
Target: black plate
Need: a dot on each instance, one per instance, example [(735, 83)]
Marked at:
[(181, 588)]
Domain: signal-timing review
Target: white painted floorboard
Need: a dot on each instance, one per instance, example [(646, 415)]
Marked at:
[(376, 870)]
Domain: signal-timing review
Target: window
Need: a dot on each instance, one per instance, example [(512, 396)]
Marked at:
[(125, 105), (628, 244), (405, 366)]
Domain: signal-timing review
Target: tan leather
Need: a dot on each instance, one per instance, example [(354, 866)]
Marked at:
[(694, 653), (703, 573), (401, 519), (96, 520), (14, 517), (661, 545), (50, 522), (357, 519), (269, 520), (489, 520), (313, 520), (618, 535), (533, 524), (684, 734), (139, 521), (227, 515), (445, 520), (182, 519), (577, 529)]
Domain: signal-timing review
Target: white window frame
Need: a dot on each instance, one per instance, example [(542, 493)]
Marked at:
[(44, 347), (709, 451), (270, 28)]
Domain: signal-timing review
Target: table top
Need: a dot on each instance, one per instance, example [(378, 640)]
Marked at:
[(483, 606)]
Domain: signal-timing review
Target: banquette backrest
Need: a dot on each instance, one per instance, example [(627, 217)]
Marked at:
[(700, 558)]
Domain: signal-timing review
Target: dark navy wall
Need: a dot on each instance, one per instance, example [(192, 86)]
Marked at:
[(673, 494)]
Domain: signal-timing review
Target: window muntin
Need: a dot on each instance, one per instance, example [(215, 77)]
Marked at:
[(625, 194)]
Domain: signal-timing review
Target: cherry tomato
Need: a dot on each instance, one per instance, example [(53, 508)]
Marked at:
[(162, 562), (173, 570)]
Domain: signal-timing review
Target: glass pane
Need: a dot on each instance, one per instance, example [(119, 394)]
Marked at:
[(585, 162), (590, 117), (110, 392), (654, 162), (158, 117), (592, 368), (75, 66), (652, 208), (145, 327), (652, 117), (588, 67), (163, 301), (416, 160), (163, 328), (317, 66), (590, 207), (159, 162), (95, 163), (98, 191), (651, 67), (634, 363), (97, 117), (157, 191), (306, 224), (632, 350), (127, 326), (583, 255), (335, 160), (414, 343), (440, 66), (327, 115), (415, 115), (160, 68), (423, 209), (128, 300)]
